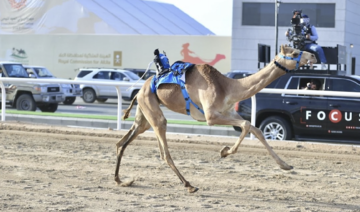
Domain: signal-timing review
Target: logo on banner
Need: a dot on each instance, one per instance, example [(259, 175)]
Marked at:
[(117, 60), (17, 4), (18, 53)]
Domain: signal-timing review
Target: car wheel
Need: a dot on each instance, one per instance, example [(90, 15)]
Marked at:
[(25, 102), (69, 100), (101, 100), (89, 95), (276, 128), (51, 108)]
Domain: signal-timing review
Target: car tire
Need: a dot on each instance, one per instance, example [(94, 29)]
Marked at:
[(101, 100), (25, 102), (69, 100), (276, 128), (89, 95), (51, 108)]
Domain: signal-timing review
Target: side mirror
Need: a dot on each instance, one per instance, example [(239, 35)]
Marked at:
[(32, 76), (126, 79)]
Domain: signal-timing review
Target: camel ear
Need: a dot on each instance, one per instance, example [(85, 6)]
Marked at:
[(282, 50)]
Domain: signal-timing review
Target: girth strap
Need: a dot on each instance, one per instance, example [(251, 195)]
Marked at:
[(188, 100)]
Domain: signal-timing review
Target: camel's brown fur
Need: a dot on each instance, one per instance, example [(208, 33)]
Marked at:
[(216, 95)]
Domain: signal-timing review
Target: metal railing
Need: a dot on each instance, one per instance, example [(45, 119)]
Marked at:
[(117, 85)]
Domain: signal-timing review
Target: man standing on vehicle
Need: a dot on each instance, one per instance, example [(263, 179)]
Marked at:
[(311, 36)]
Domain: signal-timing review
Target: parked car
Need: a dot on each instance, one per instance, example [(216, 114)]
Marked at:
[(29, 96), (71, 91), (141, 72), (307, 117), (102, 93)]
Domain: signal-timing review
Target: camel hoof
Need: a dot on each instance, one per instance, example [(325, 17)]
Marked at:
[(192, 189), (117, 180), (287, 167), (127, 184), (224, 151)]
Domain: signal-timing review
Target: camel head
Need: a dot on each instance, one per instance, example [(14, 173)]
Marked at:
[(290, 58)]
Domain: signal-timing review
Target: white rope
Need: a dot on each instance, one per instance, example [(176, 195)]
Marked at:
[(141, 76)]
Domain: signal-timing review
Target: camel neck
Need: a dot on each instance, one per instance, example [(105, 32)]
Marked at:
[(249, 86)]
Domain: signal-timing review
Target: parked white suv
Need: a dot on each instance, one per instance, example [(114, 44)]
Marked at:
[(101, 92), (71, 91)]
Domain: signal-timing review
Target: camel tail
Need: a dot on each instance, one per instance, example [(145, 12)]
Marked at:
[(127, 111)]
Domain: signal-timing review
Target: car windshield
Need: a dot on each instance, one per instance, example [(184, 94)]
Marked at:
[(43, 72), (16, 70), (132, 75)]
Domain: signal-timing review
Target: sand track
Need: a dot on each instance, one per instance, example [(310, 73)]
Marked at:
[(48, 168)]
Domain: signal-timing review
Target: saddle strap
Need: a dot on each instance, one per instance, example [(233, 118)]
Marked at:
[(188, 100)]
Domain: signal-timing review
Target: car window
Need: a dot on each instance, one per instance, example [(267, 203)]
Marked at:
[(15, 70), (43, 72), (132, 75), (29, 71), (117, 76), (345, 85), (102, 75), (83, 73), (293, 83), (305, 80)]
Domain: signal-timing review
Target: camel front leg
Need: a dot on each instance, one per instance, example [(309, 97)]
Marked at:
[(235, 120), (259, 135), (245, 127)]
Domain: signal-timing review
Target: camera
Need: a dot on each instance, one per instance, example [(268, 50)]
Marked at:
[(297, 35)]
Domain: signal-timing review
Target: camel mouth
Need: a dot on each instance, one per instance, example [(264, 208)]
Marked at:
[(310, 63)]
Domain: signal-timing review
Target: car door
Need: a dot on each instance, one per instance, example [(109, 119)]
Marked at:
[(102, 76), (119, 77), (343, 112), (307, 110)]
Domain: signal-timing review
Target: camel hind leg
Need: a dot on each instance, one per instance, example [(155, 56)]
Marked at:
[(140, 125)]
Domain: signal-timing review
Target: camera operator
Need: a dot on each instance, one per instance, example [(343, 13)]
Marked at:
[(310, 37)]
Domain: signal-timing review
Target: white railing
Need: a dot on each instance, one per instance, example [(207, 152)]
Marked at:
[(117, 85)]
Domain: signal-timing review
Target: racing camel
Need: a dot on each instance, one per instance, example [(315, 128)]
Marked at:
[(215, 94)]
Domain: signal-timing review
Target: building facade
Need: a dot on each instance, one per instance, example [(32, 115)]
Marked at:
[(336, 22)]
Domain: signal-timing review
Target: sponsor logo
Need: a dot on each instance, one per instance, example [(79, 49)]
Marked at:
[(335, 116)]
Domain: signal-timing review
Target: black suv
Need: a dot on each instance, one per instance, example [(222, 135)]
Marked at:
[(307, 117)]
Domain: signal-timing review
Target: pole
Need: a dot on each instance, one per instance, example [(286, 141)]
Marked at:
[(276, 25)]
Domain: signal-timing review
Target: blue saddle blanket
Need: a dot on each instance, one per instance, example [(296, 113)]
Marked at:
[(177, 70), (173, 76)]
